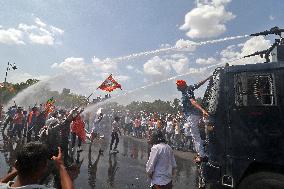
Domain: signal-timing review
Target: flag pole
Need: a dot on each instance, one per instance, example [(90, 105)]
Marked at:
[(89, 96), (6, 74)]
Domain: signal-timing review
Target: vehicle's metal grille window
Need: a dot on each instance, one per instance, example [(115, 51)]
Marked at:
[(254, 89), (240, 89)]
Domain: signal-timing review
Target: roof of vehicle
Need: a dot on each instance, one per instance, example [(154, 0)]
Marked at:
[(254, 67)]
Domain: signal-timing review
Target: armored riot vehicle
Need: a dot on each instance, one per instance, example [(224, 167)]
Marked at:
[(245, 130)]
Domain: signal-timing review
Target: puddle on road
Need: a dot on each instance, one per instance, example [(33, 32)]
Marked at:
[(124, 170)]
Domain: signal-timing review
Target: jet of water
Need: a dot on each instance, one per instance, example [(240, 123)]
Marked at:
[(175, 48), (30, 92), (92, 107)]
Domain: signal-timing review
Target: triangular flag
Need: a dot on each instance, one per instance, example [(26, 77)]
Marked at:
[(109, 84)]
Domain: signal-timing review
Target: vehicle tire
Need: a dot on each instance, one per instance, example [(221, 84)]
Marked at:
[(263, 180)]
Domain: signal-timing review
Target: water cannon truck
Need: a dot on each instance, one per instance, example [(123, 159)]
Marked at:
[(245, 130)]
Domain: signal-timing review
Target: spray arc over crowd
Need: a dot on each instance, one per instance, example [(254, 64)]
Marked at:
[(36, 92), (65, 126)]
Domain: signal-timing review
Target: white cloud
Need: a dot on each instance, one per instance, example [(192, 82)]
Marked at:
[(71, 64), (11, 36), (41, 39), (37, 33), (157, 66), (56, 30), (233, 54), (186, 45), (105, 66), (41, 33), (206, 61), (90, 75), (97, 67), (255, 44), (40, 23), (26, 27), (179, 63), (161, 68), (208, 19), (230, 52)]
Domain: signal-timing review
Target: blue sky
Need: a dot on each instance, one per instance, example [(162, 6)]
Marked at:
[(79, 39)]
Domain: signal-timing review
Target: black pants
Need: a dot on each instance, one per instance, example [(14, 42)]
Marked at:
[(167, 186), (114, 136), (30, 130), (74, 140)]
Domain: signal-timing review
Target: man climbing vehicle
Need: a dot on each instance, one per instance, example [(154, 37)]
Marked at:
[(192, 114)]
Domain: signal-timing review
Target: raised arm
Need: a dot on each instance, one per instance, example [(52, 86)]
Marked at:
[(65, 179), (9, 177), (201, 82)]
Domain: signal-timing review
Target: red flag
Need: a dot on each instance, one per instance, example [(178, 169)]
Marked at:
[(77, 127), (109, 84)]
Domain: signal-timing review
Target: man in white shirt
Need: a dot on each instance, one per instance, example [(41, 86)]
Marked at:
[(169, 130), (161, 163), (53, 120), (96, 130), (114, 134)]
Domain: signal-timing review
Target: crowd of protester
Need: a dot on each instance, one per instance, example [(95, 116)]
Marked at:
[(65, 127), (173, 127), (48, 128)]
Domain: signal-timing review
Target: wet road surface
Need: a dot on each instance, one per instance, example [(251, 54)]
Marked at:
[(122, 171)]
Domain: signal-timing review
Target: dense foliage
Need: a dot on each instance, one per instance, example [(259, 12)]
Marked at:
[(9, 90)]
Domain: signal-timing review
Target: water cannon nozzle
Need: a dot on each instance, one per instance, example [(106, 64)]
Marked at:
[(275, 30)]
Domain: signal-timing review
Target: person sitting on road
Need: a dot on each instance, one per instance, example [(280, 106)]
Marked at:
[(30, 166)]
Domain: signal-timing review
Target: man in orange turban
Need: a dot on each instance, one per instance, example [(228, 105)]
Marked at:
[(192, 112)]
